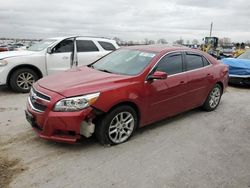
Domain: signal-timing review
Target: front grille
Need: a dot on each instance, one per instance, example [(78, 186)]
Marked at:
[(37, 99), (39, 106), (40, 95)]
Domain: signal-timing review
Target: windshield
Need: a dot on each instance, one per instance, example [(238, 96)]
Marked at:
[(41, 45), (245, 55), (124, 61)]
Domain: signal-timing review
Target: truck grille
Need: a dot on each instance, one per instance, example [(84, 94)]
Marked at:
[(36, 100)]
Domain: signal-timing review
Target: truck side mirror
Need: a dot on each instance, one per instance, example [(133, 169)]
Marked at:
[(49, 50)]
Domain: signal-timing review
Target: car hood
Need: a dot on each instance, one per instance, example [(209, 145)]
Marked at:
[(84, 80), (9, 54), (238, 66)]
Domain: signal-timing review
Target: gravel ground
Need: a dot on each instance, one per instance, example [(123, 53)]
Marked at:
[(194, 149)]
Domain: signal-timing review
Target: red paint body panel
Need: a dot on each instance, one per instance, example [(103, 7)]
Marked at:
[(155, 100)]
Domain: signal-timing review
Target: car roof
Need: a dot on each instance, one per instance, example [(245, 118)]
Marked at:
[(158, 48), (82, 37)]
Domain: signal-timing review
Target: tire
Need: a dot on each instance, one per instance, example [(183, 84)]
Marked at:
[(213, 98), (22, 79), (110, 127)]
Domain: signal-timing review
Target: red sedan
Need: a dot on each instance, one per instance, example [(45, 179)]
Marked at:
[(129, 88), (3, 49)]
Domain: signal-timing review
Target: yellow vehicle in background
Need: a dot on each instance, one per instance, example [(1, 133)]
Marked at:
[(240, 49), (211, 46)]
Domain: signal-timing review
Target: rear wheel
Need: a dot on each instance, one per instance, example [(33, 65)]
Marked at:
[(213, 98), (117, 126), (22, 79)]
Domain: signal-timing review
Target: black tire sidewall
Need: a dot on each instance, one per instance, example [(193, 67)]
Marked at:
[(104, 123), (14, 76)]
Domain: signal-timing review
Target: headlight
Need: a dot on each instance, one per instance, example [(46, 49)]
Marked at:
[(76, 103), (3, 62)]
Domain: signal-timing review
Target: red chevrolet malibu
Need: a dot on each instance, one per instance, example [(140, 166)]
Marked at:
[(129, 88)]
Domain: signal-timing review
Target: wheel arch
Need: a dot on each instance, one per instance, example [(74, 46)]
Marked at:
[(128, 103), (32, 67), (221, 85)]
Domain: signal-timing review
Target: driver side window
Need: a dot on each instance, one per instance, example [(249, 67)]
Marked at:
[(171, 64), (64, 46)]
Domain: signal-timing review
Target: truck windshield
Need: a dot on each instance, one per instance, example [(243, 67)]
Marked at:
[(41, 45), (124, 61)]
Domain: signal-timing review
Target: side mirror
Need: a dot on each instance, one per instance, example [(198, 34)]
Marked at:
[(158, 75), (49, 50)]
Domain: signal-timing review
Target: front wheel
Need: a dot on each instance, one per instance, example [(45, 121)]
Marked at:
[(22, 79), (213, 98), (117, 126)]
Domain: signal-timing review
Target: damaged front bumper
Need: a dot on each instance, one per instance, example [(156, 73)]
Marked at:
[(58, 126), (62, 127)]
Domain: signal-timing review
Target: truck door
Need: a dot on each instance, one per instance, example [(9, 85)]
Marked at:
[(59, 58)]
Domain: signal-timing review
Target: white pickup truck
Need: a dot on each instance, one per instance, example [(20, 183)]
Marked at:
[(20, 69)]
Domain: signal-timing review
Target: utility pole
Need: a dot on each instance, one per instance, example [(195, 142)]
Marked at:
[(211, 29)]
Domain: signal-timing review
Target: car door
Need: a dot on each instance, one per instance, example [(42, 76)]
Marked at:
[(199, 74), (88, 52), (167, 97), (59, 58)]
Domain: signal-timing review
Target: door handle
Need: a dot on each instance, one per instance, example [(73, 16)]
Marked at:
[(65, 57), (182, 82)]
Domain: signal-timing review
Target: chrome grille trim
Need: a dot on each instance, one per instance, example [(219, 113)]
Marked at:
[(31, 105), (37, 93), (34, 98)]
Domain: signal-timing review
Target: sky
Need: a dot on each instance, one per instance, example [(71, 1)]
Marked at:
[(126, 19)]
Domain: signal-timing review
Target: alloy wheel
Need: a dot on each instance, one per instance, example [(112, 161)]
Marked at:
[(25, 80), (215, 97), (121, 127)]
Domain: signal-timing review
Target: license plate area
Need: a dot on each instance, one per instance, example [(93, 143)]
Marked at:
[(30, 118)]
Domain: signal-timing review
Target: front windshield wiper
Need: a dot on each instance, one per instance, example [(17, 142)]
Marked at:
[(105, 70), (91, 66)]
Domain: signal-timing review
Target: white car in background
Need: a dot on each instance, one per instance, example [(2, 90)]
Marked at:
[(20, 69)]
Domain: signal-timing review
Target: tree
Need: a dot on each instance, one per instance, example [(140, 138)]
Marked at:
[(162, 41), (130, 43), (195, 42), (180, 41), (224, 41), (247, 42), (151, 42), (118, 40)]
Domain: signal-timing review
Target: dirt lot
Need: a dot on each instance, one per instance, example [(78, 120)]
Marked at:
[(194, 149)]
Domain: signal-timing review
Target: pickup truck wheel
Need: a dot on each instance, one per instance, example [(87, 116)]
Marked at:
[(22, 79), (117, 126), (213, 98)]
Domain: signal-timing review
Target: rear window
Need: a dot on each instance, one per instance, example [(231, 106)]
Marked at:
[(194, 61), (205, 62), (86, 46), (107, 46)]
